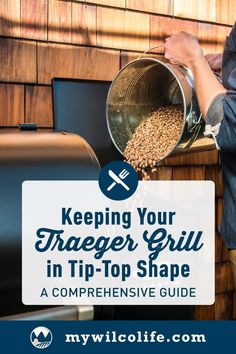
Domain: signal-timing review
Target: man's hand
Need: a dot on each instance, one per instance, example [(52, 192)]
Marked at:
[(214, 61), (183, 48)]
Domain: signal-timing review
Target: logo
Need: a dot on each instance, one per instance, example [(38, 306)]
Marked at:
[(118, 180), (41, 337)]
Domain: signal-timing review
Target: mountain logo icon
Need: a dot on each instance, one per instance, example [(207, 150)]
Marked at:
[(41, 337)]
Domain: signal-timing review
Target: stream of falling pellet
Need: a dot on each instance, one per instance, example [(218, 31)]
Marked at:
[(154, 138)]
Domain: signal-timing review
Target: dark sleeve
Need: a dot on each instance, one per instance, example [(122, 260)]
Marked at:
[(227, 132), (214, 118), (221, 118)]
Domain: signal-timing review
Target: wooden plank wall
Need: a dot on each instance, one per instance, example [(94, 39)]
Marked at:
[(42, 39)]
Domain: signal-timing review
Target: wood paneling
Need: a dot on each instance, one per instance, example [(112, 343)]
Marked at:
[(185, 25), (212, 37), (219, 11), (56, 60), (229, 275), (224, 306), (161, 174), (18, 60), (194, 158), (162, 27), (218, 248), (221, 33), (214, 174), (59, 21), (11, 104), (234, 306), (116, 3), (34, 19), (221, 310), (164, 173), (225, 254), (10, 18), (84, 24), (161, 7), (207, 34), (219, 212), (204, 10), (126, 57), (38, 104), (188, 173), (225, 11), (204, 312), (223, 279), (122, 29)]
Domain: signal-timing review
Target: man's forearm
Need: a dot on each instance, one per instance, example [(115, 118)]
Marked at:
[(207, 85)]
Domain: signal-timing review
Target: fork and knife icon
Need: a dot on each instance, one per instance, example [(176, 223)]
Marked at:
[(118, 179)]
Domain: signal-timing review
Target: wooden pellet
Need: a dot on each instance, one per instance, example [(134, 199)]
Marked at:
[(154, 138)]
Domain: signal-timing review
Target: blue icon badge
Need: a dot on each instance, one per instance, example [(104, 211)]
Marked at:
[(118, 180), (41, 337)]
